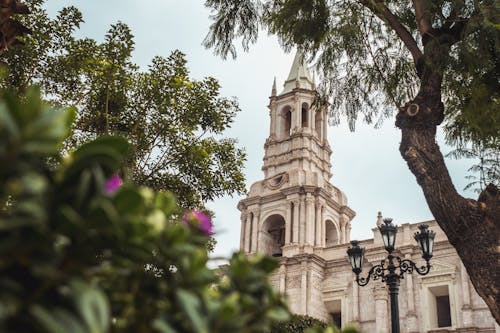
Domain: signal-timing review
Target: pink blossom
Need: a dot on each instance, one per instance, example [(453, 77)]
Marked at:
[(113, 184), (201, 220)]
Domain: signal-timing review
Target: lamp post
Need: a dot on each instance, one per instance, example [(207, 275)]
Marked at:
[(392, 269)]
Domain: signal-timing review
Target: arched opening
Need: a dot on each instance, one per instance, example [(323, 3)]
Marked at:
[(287, 115), (331, 234), (318, 123), (273, 235), (305, 115)]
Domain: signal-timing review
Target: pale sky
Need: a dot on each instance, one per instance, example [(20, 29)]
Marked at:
[(366, 164)]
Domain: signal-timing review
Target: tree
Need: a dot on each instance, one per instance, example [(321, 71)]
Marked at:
[(11, 29), (174, 123), (80, 253), (433, 61)]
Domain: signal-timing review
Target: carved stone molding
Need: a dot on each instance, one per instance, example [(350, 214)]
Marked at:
[(277, 181)]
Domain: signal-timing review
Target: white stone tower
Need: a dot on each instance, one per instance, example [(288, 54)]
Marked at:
[(295, 209), (297, 215)]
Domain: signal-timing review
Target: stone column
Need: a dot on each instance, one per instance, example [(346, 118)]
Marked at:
[(410, 300), (355, 302), (342, 224), (302, 221), (298, 112), (324, 137), (303, 288), (295, 221), (466, 307), (323, 227), (309, 220), (242, 231), (282, 286), (255, 231), (288, 223), (318, 224), (248, 230), (272, 123), (313, 120), (411, 315), (381, 308)]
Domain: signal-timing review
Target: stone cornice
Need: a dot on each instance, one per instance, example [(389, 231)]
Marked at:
[(346, 210), (272, 141), (291, 94), (303, 258)]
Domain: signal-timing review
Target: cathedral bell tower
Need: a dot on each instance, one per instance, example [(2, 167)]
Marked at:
[(295, 209)]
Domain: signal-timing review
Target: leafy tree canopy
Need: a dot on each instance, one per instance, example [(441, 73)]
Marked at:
[(432, 62), (369, 54), (175, 123), (81, 253)]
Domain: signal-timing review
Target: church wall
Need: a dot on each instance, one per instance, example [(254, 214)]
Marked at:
[(331, 282), (314, 274)]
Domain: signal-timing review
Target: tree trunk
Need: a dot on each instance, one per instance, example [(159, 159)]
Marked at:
[(472, 226), (10, 28)]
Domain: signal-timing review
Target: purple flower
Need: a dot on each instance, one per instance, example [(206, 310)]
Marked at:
[(113, 184), (201, 220)]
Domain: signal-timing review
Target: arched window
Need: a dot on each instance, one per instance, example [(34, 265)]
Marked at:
[(273, 235), (287, 115), (305, 115), (331, 235)]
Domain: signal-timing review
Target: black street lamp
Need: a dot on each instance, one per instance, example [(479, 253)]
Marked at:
[(386, 270)]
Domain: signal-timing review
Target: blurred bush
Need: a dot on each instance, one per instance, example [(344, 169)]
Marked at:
[(81, 252)]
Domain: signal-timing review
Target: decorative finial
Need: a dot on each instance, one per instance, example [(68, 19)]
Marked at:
[(380, 220), (273, 91)]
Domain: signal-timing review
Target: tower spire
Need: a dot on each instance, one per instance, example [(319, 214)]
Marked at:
[(273, 90), (299, 76)]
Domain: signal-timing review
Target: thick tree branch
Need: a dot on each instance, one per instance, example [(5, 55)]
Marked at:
[(384, 13), (423, 19), (472, 226)]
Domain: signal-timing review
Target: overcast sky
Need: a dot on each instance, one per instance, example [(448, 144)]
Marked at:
[(366, 164)]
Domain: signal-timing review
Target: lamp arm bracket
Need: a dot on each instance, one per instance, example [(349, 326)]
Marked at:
[(375, 273), (408, 266)]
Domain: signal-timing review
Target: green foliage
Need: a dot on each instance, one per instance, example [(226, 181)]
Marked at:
[(472, 82), (365, 68), (372, 55), (307, 324), (77, 257), (297, 324), (174, 123), (486, 171)]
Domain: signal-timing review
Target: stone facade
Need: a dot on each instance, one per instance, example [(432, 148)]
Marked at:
[(298, 216)]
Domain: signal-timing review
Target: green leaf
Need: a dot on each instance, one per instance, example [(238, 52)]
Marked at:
[(162, 326), (128, 200), (191, 305), (57, 321), (92, 306), (278, 314)]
